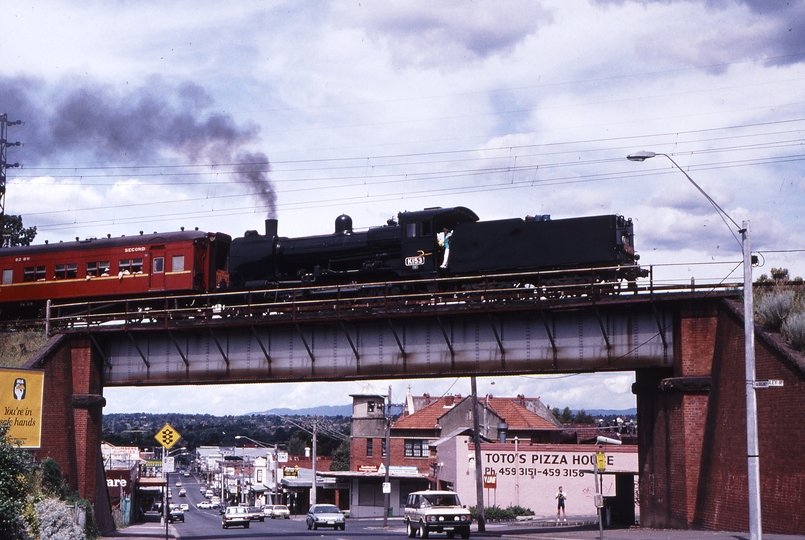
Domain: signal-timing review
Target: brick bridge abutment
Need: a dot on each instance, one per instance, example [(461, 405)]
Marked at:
[(691, 422)]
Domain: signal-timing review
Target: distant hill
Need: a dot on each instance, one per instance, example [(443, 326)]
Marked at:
[(323, 410), (610, 412)]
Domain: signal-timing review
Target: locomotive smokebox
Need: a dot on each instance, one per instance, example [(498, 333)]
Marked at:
[(271, 227), (343, 224)]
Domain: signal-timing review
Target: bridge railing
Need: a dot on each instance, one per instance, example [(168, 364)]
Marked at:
[(388, 298)]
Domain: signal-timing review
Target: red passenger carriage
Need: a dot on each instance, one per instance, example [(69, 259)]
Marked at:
[(97, 268)]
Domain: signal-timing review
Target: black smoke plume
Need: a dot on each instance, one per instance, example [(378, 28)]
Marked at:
[(100, 125)]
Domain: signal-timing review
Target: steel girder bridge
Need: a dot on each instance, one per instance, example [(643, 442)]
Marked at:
[(336, 334)]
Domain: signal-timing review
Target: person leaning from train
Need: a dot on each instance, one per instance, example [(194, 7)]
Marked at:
[(444, 241)]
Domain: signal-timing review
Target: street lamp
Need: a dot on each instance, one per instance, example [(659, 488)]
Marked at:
[(752, 452)]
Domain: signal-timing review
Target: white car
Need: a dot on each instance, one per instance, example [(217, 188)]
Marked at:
[(325, 515), (185, 507), (205, 505), (436, 511), (280, 511)]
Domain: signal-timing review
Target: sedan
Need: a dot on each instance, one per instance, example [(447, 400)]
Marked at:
[(280, 511), (205, 505), (325, 515)]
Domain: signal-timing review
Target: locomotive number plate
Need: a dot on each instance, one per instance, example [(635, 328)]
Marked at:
[(419, 260)]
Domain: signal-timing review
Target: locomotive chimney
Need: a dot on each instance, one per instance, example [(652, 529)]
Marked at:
[(271, 227)]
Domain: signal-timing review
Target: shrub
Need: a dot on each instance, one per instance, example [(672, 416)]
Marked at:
[(56, 521), (773, 307), (496, 513), (13, 487), (794, 330)]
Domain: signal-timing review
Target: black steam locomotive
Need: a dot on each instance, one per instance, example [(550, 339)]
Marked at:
[(597, 249)]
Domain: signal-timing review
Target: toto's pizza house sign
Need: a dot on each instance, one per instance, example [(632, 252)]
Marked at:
[(531, 475)]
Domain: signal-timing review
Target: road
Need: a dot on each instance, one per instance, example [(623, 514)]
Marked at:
[(206, 525)]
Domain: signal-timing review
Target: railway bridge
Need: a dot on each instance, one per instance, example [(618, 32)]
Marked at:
[(685, 346)]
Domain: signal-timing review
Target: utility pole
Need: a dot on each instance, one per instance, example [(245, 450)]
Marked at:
[(4, 144), (313, 486), (476, 442), (387, 494)]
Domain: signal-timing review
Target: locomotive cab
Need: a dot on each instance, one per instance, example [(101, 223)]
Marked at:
[(421, 253)]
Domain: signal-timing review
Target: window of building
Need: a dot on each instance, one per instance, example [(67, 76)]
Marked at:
[(370, 406), (8, 276), (416, 448), (132, 266), (33, 273), (259, 476), (98, 268), (66, 271), (177, 263), (370, 443)]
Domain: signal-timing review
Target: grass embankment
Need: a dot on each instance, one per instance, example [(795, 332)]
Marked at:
[(16, 347)]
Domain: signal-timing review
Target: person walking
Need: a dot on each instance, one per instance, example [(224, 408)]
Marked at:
[(561, 496)]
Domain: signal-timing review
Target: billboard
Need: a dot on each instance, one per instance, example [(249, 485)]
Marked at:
[(21, 405)]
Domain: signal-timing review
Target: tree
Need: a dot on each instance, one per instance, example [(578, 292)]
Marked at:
[(13, 485), (341, 457), (15, 232)]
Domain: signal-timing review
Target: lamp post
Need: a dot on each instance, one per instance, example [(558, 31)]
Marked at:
[(752, 452)]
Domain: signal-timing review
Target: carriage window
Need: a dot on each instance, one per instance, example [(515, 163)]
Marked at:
[(66, 271), (132, 266), (159, 265), (100, 268), (8, 276), (426, 228), (33, 273), (177, 263), (410, 230)]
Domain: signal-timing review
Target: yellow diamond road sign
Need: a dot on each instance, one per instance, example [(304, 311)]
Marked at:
[(167, 436)]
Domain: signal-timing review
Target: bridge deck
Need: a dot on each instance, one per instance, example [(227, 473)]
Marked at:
[(335, 334)]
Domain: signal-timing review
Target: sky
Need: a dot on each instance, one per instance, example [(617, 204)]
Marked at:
[(151, 116)]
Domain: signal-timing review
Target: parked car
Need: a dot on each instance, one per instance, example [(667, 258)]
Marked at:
[(280, 511), (175, 513), (235, 516), (256, 513), (436, 511), (209, 494), (205, 505), (325, 515)]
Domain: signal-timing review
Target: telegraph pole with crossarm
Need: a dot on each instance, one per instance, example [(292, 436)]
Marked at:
[(4, 144)]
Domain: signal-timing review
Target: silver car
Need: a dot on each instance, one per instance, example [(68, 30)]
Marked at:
[(325, 515)]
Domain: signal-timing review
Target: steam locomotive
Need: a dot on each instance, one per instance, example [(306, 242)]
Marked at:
[(411, 248), (408, 249)]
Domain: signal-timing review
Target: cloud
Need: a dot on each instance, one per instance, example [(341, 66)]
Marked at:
[(770, 28), (444, 33)]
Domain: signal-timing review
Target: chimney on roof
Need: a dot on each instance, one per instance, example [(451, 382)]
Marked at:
[(458, 397), (449, 401), (521, 397), (503, 429), (427, 398)]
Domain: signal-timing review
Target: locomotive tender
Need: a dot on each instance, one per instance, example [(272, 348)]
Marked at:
[(408, 248), (596, 249)]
